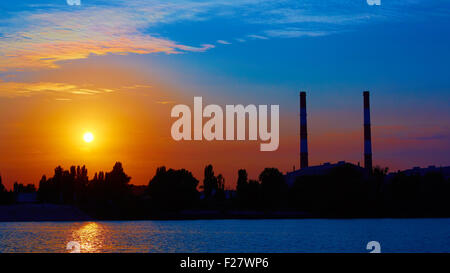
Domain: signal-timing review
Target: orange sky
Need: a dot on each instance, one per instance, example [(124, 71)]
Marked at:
[(129, 115), (43, 120)]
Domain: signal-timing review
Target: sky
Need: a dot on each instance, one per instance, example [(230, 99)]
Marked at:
[(116, 69)]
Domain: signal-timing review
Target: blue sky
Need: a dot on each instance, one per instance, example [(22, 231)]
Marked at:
[(292, 43)]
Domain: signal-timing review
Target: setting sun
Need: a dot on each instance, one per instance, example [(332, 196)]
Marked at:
[(88, 137)]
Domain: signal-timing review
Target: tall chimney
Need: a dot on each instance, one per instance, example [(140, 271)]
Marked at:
[(303, 132), (367, 133)]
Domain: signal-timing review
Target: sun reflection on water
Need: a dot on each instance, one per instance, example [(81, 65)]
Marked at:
[(90, 236)]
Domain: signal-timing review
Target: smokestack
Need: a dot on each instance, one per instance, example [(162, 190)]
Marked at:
[(303, 132), (367, 133)]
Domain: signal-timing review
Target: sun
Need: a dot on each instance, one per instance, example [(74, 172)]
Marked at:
[(88, 137)]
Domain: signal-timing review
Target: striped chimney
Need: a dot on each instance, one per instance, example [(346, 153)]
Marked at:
[(367, 133), (303, 132)]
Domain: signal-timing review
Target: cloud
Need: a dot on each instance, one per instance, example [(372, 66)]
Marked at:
[(223, 42), (137, 86), (316, 14), (439, 136), (165, 102), (23, 89), (42, 37), (257, 37), (294, 33), (413, 134)]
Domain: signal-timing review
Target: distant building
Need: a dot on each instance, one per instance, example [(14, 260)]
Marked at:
[(230, 194), (26, 197), (25, 193), (323, 169), (422, 171)]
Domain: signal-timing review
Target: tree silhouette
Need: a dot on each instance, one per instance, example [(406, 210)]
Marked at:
[(220, 182), (173, 189), (117, 188), (21, 188), (2, 187), (253, 194), (242, 184), (3, 193), (247, 191), (220, 194), (343, 191), (65, 186), (273, 187), (210, 185)]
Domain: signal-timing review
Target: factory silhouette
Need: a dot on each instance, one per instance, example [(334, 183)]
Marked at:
[(305, 169), (329, 190)]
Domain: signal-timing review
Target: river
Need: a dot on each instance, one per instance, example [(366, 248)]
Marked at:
[(298, 235)]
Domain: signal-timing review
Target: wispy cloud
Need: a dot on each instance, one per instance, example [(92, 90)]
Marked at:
[(258, 37), (223, 42), (318, 14), (16, 89), (136, 86), (42, 39), (438, 136), (415, 134), (294, 33), (165, 102)]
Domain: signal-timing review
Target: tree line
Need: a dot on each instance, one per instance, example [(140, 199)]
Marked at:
[(344, 191)]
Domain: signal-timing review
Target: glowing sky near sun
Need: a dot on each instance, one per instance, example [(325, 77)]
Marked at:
[(116, 68)]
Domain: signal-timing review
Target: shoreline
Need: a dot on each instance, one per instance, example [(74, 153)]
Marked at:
[(69, 213), (41, 212)]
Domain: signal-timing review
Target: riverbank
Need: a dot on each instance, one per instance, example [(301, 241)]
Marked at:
[(54, 212), (230, 214)]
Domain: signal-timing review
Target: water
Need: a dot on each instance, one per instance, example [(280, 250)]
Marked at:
[(302, 235)]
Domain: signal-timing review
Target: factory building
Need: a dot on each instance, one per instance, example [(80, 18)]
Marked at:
[(305, 169)]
